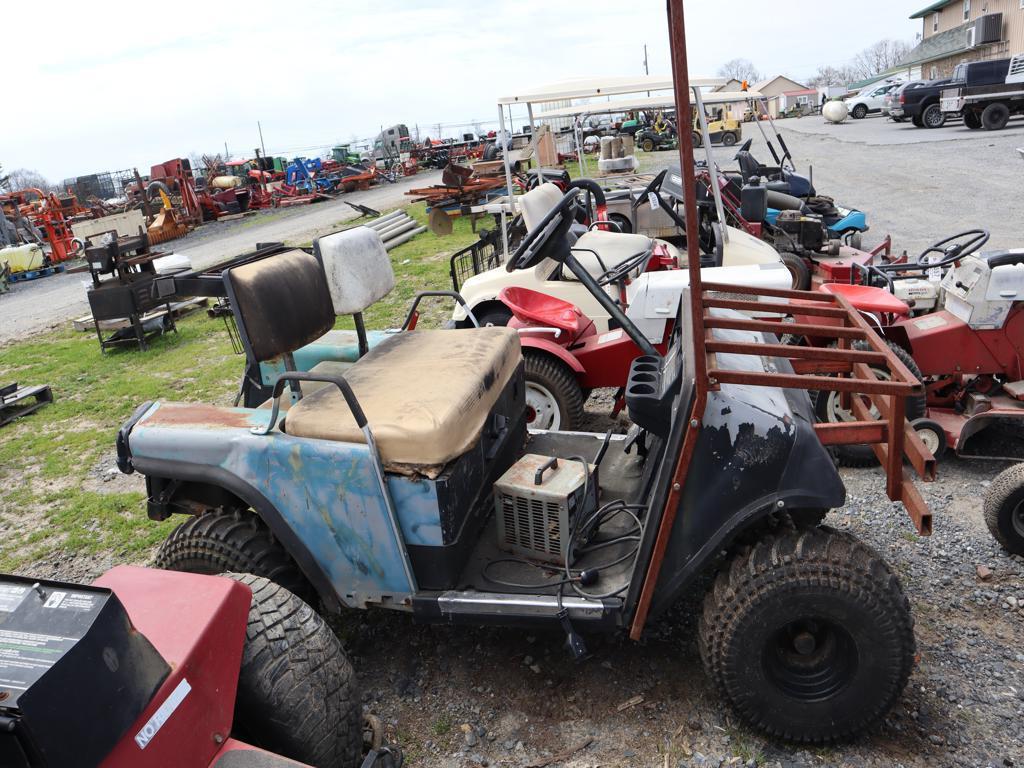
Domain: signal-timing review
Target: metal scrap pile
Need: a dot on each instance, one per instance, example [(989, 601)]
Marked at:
[(459, 186)]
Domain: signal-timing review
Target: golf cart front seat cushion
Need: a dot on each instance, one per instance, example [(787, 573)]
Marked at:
[(426, 394), (281, 303), (613, 248), (358, 268)]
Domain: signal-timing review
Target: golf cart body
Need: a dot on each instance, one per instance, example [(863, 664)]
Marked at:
[(601, 251)]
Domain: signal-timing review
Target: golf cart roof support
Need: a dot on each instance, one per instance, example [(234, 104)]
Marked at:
[(889, 434)]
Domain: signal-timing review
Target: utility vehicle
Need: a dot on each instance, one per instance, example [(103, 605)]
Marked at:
[(411, 483), (150, 669)]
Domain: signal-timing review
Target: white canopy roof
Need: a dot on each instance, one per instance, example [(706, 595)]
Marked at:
[(652, 102), (588, 87)]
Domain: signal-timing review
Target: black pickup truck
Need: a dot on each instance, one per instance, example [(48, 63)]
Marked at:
[(919, 100)]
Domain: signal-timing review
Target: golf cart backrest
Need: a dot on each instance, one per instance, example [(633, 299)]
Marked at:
[(280, 304), (538, 202), (357, 267)]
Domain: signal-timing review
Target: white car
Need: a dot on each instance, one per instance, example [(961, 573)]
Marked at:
[(870, 100), (599, 251)]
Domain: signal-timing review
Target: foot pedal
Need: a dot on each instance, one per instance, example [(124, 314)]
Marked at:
[(1015, 389)]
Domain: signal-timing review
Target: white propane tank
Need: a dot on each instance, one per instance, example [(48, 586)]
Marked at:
[(835, 111), (225, 182)]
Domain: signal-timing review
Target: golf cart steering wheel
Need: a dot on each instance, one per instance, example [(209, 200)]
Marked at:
[(653, 188), (617, 273), (956, 251), (547, 239)]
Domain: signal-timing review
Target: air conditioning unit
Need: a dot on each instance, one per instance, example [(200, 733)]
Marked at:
[(987, 29), (971, 36)]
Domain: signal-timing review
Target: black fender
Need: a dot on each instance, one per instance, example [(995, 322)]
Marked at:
[(218, 478)]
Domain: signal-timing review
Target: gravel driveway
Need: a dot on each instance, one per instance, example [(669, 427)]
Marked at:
[(36, 305)]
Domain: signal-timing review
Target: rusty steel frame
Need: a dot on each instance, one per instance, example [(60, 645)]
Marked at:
[(890, 436)]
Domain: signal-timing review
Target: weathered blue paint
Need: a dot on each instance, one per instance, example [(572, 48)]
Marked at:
[(326, 491), (335, 346)]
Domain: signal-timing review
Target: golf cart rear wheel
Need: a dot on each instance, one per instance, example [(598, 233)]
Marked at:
[(808, 635), (297, 694), (1004, 509), (554, 399), (828, 408), (798, 269), (240, 542)]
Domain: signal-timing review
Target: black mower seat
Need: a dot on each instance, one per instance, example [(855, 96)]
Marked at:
[(426, 394)]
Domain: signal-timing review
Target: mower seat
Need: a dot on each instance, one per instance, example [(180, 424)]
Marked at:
[(427, 396), (539, 309), (869, 299)]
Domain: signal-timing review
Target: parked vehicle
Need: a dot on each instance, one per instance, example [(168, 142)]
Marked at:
[(410, 483), (650, 140), (723, 130), (891, 104), (919, 101), (982, 104), (871, 100)]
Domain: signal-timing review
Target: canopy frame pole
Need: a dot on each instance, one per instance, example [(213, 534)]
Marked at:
[(508, 180), (712, 168)]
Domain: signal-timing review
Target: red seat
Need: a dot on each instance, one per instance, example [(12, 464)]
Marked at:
[(869, 299), (539, 309)]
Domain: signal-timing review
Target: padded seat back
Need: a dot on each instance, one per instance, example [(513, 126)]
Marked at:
[(538, 203), (280, 303), (357, 267)]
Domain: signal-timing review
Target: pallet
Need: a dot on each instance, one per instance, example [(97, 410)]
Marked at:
[(178, 309), (11, 396), (35, 274)]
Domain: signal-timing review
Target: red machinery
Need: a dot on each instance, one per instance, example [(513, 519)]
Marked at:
[(47, 213), (142, 669)]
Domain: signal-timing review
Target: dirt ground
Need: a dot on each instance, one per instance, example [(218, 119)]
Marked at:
[(455, 697)]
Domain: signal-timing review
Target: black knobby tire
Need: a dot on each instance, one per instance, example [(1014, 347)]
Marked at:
[(560, 382), (1004, 509), (995, 116), (729, 139), (809, 635), (297, 695), (798, 269), (917, 121), (863, 455), (972, 120), (216, 542), (859, 112), (933, 116)]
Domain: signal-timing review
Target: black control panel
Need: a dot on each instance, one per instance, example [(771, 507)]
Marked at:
[(74, 673)]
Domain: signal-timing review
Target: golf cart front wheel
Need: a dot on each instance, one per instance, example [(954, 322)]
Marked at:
[(297, 694), (554, 399), (1004, 509), (240, 542), (808, 635)]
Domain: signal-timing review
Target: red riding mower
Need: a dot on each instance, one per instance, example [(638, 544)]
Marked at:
[(964, 339), (151, 669)]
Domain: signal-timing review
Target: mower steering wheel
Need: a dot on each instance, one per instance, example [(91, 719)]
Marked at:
[(623, 270), (543, 241), (955, 252), (653, 188)]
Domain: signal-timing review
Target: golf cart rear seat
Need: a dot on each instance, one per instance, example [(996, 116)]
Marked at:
[(613, 248)]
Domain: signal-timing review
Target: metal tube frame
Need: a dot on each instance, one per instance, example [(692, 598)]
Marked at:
[(889, 434)]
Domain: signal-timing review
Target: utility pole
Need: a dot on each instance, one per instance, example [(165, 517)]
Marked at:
[(646, 70), (226, 155), (262, 145)]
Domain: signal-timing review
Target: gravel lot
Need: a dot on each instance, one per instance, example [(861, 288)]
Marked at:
[(36, 305), (473, 697)]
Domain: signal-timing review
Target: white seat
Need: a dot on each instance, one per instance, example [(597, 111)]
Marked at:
[(613, 248), (358, 268)]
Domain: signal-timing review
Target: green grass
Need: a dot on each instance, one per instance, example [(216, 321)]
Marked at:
[(53, 500)]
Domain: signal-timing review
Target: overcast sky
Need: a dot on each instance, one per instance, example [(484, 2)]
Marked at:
[(113, 85)]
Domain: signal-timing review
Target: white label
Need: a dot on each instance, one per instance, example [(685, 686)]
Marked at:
[(54, 600), (162, 715), (927, 323), (653, 200), (11, 597), (604, 338)]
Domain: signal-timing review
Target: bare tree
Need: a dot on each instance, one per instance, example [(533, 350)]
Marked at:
[(4, 179), (23, 178), (882, 56), (739, 69), (829, 75)]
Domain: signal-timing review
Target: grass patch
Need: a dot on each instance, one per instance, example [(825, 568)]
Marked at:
[(52, 495)]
